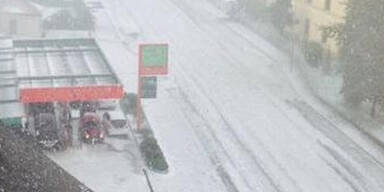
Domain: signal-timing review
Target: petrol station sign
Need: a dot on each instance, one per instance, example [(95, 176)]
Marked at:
[(148, 87), (153, 59)]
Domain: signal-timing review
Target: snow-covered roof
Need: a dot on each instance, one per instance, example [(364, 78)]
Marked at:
[(11, 110), (56, 69), (9, 106), (64, 62), (18, 7), (6, 43)]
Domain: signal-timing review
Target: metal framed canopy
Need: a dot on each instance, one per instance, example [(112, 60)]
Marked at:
[(9, 102), (49, 70)]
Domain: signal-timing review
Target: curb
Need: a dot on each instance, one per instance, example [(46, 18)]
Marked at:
[(345, 117)]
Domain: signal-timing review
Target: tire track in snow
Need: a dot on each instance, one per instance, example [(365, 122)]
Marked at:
[(347, 166), (191, 15), (257, 161), (194, 119), (354, 187), (374, 168), (250, 154), (201, 124), (221, 171), (247, 152), (252, 44), (226, 49)]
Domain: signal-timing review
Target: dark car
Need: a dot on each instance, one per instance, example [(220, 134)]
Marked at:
[(90, 127), (47, 132)]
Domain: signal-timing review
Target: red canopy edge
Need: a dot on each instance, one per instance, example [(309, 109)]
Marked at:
[(68, 94)]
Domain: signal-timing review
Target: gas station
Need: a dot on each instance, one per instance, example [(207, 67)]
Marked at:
[(54, 72)]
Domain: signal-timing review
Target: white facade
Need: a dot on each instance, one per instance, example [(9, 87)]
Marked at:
[(19, 18)]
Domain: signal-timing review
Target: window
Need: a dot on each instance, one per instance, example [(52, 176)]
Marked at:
[(328, 5)]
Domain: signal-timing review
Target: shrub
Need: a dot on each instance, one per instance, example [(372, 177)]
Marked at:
[(313, 53), (145, 132), (77, 16), (153, 155), (128, 103), (281, 14)]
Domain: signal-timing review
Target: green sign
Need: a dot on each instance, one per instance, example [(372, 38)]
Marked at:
[(148, 87), (154, 55), (12, 122)]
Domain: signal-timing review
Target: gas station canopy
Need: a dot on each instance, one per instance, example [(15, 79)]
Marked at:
[(56, 70)]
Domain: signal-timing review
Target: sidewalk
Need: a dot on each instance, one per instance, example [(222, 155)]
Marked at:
[(373, 128)]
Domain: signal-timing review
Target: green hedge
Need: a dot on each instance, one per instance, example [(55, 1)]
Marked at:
[(313, 53), (75, 16), (153, 155), (128, 103), (150, 149)]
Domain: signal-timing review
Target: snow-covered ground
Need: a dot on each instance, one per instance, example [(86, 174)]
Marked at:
[(114, 166), (230, 116)]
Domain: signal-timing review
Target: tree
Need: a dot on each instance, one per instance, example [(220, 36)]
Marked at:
[(128, 103), (84, 15), (76, 16), (313, 53), (281, 14), (361, 38)]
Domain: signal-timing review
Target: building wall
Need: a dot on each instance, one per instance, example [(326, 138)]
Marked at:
[(24, 25), (314, 14)]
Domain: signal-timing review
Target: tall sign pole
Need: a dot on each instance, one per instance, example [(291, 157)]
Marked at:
[(153, 61), (138, 98)]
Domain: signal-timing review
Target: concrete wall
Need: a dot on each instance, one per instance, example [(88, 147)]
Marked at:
[(25, 25)]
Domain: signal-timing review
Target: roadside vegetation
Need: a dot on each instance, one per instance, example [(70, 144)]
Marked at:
[(72, 15), (149, 147), (362, 43)]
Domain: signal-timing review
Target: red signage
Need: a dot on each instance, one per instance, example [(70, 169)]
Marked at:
[(68, 94)]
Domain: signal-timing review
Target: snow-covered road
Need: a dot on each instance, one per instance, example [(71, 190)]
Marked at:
[(229, 116)]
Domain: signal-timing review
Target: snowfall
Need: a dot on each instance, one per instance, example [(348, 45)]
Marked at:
[(232, 114)]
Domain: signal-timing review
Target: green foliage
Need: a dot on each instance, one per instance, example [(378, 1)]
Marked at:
[(362, 43), (149, 147), (153, 155), (84, 15), (313, 53), (145, 132), (128, 103), (281, 14), (76, 16)]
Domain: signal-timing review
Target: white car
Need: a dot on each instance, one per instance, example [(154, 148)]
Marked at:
[(108, 105), (117, 124), (118, 119)]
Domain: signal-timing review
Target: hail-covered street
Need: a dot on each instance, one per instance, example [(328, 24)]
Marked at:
[(230, 115)]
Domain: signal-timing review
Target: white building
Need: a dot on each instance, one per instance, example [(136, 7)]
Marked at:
[(19, 18)]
